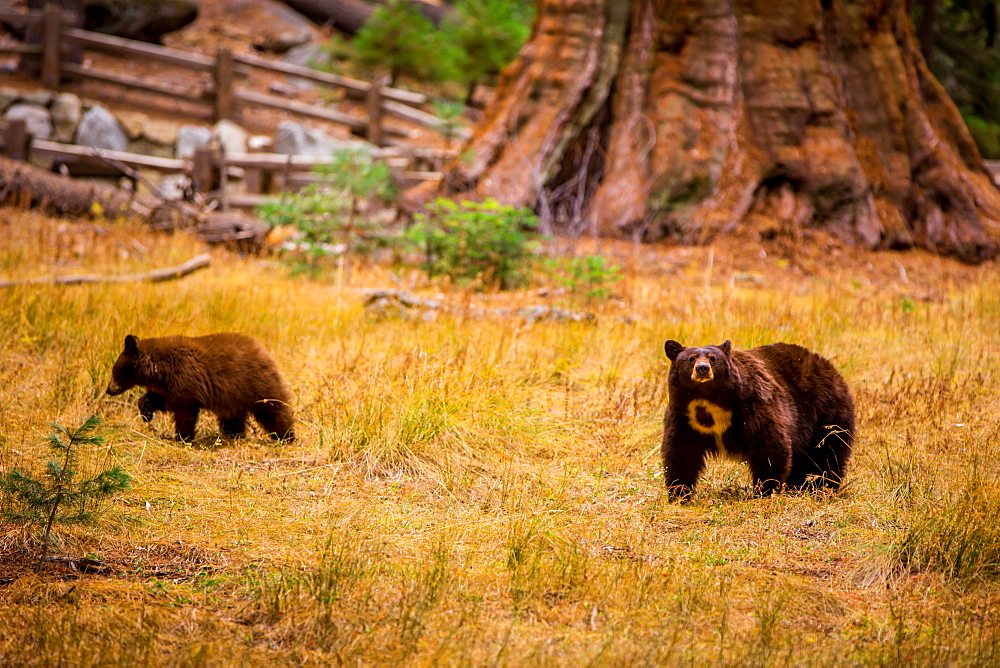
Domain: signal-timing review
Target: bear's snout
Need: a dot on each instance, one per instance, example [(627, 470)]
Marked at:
[(702, 372), (113, 389)]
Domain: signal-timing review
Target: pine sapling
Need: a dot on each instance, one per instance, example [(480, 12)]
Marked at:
[(62, 494)]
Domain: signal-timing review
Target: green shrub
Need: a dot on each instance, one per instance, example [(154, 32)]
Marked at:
[(591, 276), (486, 241), (333, 213)]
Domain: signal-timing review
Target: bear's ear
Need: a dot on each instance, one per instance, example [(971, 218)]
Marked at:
[(672, 349), (131, 345), (726, 347)]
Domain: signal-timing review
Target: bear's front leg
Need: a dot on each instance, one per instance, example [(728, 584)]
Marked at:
[(185, 421), (770, 468), (149, 403), (682, 464)]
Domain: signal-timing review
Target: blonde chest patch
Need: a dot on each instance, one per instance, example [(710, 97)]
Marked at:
[(711, 419)]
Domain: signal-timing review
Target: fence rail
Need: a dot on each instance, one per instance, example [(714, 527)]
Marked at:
[(208, 168)]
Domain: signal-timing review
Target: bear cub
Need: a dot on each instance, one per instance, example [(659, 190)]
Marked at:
[(782, 409), (231, 375)]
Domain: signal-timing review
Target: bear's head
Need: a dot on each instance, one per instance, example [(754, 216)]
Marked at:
[(700, 369), (132, 368)]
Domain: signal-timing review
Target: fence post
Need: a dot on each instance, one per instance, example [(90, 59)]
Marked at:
[(204, 174), (225, 69), (373, 105), (17, 140), (51, 38)]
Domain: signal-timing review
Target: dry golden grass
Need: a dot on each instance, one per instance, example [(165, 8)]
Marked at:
[(475, 489)]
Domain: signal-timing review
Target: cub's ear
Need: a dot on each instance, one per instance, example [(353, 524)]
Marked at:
[(726, 347), (131, 345), (673, 349)]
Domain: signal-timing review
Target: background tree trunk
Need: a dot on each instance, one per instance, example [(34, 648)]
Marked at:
[(690, 118)]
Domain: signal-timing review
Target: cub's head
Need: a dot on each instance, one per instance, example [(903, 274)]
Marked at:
[(699, 368), (131, 368)]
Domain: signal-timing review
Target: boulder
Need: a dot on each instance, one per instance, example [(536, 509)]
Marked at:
[(134, 123), (297, 139), (286, 28), (100, 129), (230, 136), (190, 138), (310, 54), (161, 132), (145, 20), (66, 111), (35, 117)]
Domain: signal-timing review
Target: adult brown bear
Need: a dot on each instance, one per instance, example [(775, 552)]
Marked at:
[(229, 374), (782, 409)]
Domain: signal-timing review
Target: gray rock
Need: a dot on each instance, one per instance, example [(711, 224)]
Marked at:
[(66, 110), (553, 314), (293, 138), (310, 54), (145, 20), (174, 186), (230, 136), (286, 30), (190, 138), (100, 129), (36, 118)]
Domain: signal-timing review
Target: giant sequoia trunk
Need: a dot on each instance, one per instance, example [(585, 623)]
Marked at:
[(685, 119)]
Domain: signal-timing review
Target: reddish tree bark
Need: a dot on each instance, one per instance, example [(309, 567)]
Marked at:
[(685, 119)]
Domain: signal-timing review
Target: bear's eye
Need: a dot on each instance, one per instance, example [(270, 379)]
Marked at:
[(711, 358)]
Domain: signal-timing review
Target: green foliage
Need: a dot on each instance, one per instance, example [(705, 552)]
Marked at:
[(449, 112), (591, 276), (986, 134), (488, 33), (966, 60), (331, 213), (486, 241), (403, 41), (61, 495)]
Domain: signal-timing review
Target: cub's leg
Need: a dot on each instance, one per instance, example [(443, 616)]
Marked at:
[(233, 427), (185, 421), (150, 403)]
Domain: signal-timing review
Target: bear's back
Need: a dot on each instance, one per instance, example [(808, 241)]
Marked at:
[(224, 370), (809, 379)]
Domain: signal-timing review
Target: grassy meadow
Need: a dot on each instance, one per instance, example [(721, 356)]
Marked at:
[(471, 488)]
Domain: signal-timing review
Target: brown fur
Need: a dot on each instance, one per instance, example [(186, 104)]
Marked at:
[(231, 375), (784, 410)]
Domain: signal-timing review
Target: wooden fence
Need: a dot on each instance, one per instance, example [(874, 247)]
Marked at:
[(222, 96), (209, 169)]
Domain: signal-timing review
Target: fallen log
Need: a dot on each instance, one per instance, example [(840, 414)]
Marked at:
[(29, 186), (167, 274), (22, 184)]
